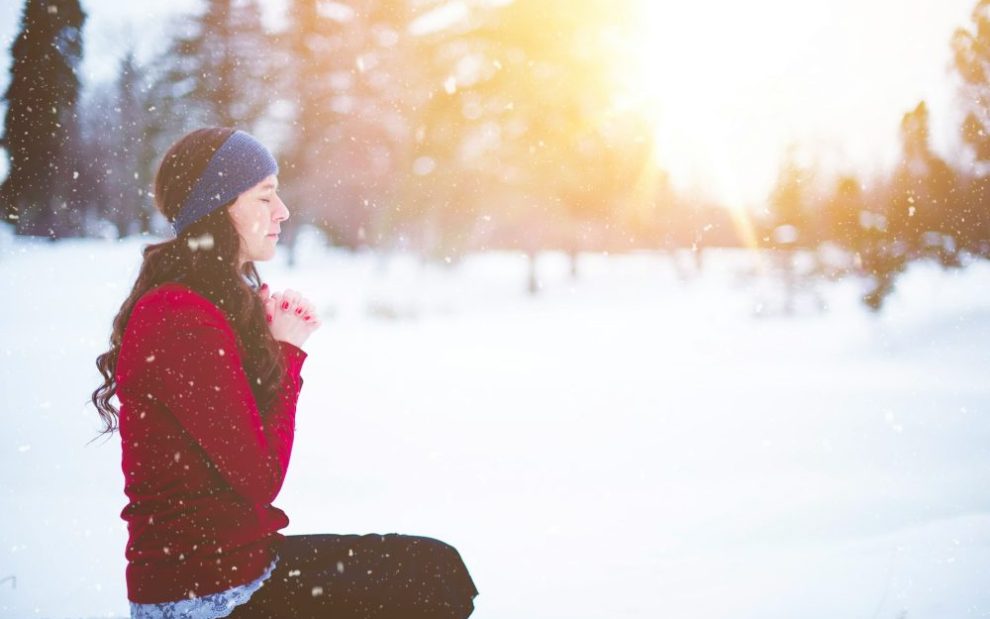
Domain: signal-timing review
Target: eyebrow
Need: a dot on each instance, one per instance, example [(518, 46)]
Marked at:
[(268, 185)]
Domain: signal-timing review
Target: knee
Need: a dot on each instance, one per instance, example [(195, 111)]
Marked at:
[(432, 544)]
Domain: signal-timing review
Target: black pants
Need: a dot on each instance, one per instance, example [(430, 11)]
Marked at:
[(370, 576)]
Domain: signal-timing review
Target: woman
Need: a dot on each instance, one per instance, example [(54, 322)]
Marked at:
[(206, 366)]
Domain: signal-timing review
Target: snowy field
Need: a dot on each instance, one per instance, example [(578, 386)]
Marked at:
[(629, 444)]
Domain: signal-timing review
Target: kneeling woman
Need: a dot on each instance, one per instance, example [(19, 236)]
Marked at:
[(206, 362)]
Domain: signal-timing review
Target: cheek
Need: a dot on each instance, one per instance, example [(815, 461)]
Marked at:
[(243, 220), (253, 223)]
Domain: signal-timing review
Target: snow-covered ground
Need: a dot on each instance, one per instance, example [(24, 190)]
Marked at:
[(627, 444)]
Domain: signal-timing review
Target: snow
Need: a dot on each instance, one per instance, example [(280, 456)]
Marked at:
[(630, 444)]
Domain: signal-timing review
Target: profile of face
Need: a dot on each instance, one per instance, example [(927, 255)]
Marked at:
[(257, 215)]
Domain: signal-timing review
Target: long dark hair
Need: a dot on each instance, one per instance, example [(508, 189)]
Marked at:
[(205, 258)]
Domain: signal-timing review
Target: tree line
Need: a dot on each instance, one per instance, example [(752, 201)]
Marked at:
[(448, 128)]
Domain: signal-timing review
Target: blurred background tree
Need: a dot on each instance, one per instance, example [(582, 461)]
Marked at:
[(41, 126), (446, 128)]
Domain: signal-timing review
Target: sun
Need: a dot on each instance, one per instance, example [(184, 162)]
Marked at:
[(709, 76)]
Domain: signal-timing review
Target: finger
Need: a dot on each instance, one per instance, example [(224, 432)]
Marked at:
[(293, 297), (297, 304), (269, 305), (278, 304), (306, 309), (284, 302)]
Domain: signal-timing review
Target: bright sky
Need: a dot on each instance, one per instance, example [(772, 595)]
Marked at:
[(730, 84), (733, 84)]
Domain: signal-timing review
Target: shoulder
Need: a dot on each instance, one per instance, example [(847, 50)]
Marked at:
[(173, 302), (175, 295)]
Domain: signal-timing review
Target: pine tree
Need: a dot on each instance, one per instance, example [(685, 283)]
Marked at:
[(972, 61), (515, 98), (790, 205), (118, 167), (921, 214), (138, 135), (41, 124), (842, 212), (311, 51), (216, 71), (971, 218), (346, 74)]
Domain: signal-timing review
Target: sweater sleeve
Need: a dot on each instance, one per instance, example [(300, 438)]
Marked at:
[(201, 379)]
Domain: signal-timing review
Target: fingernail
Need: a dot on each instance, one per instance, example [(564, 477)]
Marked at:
[(264, 286), (299, 310), (269, 317), (285, 305)]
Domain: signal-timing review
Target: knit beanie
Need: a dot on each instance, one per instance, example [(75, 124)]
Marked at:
[(238, 165)]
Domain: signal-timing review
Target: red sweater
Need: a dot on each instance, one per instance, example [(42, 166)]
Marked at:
[(201, 463)]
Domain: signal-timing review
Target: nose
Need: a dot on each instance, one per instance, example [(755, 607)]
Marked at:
[(281, 211)]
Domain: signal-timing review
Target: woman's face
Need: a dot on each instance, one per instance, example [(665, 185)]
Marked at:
[(257, 215)]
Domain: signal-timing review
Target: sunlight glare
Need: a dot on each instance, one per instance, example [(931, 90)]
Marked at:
[(709, 77)]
